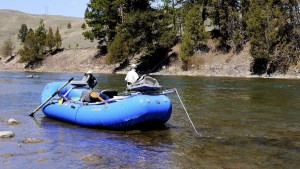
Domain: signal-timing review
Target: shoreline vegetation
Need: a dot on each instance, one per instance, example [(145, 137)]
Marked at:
[(212, 65), (194, 38)]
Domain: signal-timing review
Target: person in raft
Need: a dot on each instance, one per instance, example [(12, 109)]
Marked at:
[(131, 76), (90, 95), (90, 79)]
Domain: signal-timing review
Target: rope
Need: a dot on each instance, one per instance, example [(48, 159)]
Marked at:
[(187, 113)]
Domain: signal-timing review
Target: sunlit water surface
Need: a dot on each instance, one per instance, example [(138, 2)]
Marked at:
[(246, 123)]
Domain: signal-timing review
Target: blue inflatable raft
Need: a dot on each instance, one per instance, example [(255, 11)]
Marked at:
[(116, 112)]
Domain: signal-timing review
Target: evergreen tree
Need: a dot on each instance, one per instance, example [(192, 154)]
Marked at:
[(226, 16), (30, 50), (135, 5), (136, 31), (57, 39), (118, 50), (195, 35), (83, 26), (69, 26), (272, 36), (102, 18), (165, 31), (40, 36), (7, 48), (22, 32), (50, 40), (142, 32)]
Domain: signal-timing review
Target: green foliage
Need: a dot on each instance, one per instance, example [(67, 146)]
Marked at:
[(102, 18), (141, 33), (272, 35), (57, 39), (227, 17), (69, 26), (22, 32), (7, 48), (83, 26), (118, 50), (35, 43), (194, 35), (50, 40), (186, 49), (40, 35), (130, 27), (31, 50)]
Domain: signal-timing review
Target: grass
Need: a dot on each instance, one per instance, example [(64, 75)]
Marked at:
[(11, 22)]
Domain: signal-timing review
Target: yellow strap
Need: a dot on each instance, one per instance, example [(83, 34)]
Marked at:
[(60, 101)]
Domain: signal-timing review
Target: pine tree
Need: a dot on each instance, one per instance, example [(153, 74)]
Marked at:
[(118, 50), (195, 35), (227, 16), (30, 50), (57, 39), (69, 26), (40, 36), (102, 18), (50, 40), (272, 36), (22, 32), (83, 26)]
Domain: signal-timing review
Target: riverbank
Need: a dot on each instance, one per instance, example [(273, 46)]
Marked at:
[(207, 64)]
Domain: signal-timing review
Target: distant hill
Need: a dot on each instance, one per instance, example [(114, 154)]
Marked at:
[(11, 22)]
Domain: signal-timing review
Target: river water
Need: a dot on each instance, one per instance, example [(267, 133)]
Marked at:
[(245, 123)]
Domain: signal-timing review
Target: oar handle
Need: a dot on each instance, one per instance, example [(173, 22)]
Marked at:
[(56, 92)]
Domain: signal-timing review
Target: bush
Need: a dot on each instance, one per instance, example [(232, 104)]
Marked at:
[(7, 48)]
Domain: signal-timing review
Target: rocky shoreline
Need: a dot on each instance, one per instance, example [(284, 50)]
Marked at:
[(82, 60)]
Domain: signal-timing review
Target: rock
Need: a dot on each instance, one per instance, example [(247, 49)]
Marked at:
[(33, 140), (91, 157), (13, 122), (6, 134), (7, 155), (42, 159)]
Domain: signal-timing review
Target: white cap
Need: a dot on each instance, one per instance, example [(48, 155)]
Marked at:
[(89, 72)]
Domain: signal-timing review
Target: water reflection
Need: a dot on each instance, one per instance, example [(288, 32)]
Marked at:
[(246, 123), (115, 147)]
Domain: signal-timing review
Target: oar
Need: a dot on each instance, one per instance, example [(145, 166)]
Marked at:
[(56, 92)]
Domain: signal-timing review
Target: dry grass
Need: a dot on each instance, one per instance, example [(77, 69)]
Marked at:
[(11, 22)]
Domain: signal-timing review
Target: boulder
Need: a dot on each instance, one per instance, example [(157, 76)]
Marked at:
[(6, 134), (33, 140), (12, 122), (92, 157)]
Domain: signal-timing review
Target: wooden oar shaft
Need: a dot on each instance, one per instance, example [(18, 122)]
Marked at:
[(56, 92)]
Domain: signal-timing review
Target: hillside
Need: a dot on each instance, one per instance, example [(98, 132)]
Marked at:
[(82, 59), (11, 22)]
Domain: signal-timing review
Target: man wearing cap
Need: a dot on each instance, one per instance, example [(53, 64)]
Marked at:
[(90, 79), (131, 76)]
